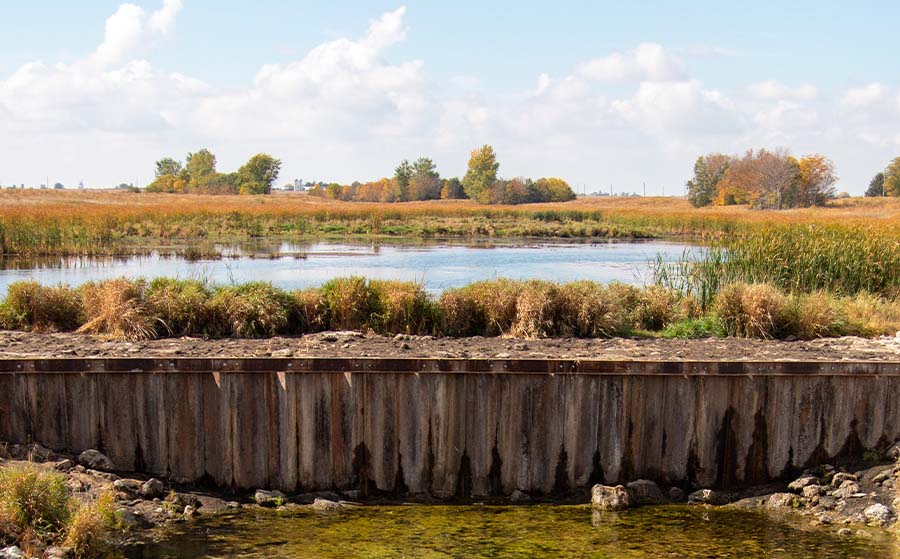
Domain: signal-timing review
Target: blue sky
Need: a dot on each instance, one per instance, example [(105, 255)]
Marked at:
[(631, 91)]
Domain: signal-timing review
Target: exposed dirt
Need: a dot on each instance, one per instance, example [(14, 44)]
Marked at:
[(355, 344)]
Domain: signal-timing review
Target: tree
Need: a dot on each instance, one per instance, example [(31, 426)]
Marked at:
[(876, 186), (708, 172), (168, 166), (817, 179), (200, 164), (402, 175), (452, 189), (892, 178), (425, 182), (481, 174), (257, 175), (550, 189)]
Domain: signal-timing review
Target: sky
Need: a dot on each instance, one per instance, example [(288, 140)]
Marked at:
[(602, 94)]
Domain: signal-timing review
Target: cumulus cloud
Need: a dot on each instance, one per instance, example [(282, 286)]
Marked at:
[(866, 95), (129, 25), (647, 62), (772, 89)]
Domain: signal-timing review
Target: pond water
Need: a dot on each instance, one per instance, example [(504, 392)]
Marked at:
[(438, 266), (503, 531)]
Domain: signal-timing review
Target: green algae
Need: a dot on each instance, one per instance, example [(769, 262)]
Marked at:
[(504, 532)]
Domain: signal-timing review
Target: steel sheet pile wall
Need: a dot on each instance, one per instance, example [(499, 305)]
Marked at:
[(449, 427)]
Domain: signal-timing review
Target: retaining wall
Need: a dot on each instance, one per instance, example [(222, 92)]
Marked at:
[(451, 427)]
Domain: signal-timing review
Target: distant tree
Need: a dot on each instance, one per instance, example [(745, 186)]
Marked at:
[(709, 170), (200, 164), (257, 175), (425, 182), (892, 178), (552, 189), (452, 189), (876, 186), (481, 174), (168, 166), (402, 175), (58, 186), (816, 181)]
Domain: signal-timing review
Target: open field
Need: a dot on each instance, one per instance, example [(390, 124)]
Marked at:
[(34, 222)]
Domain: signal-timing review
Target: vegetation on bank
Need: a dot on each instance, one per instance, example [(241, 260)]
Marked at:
[(198, 175), (137, 309), (36, 510)]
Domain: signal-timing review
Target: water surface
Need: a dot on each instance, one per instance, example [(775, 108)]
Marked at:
[(438, 266), (507, 532)]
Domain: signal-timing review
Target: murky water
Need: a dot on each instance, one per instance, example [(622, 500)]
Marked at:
[(438, 266), (506, 532)]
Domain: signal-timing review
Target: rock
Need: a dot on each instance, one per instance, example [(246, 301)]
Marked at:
[(265, 498), (183, 500), (882, 476), (64, 465), (519, 497), (708, 497), (812, 491), (847, 489), (133, 519), (778, 501), (676, 494), (520, 347), (95, 460), (56, 552), (233, 505), (152, 489), (606, 497), (325, 505), (286, 352), (645, 492), (189, 511), (798, 484), (878, 514), (11, 552), (845, 532), (39, 453), (840, 477), (131, 487)]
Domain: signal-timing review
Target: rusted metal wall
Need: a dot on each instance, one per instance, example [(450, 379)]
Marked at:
[(448, 427)]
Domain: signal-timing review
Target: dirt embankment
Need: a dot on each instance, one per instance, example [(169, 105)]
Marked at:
[(354, 344)]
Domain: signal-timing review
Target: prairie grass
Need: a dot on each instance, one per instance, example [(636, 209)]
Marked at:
[(352, 303), (30, 305), (251, 310), (179, 307), (116, 308), (90, 527), (404, 306)]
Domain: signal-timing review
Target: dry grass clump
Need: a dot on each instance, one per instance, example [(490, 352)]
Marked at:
[(459, 314), (497, 301), (538, 310), (405, 307), (871, 315), (33, 502), (312, 310), (815, 315), (179, 307), (656, 307), (251, 310), (32, 306), (117, 308), (592, 310), (751, 310), (89, 529), (352, 303)]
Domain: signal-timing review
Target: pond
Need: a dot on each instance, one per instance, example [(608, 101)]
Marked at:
[(503, 531), (438, 266)]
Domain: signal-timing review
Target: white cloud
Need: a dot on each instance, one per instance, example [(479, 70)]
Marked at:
[(162, 20), (772, 89), (647, 62), (865, 95)]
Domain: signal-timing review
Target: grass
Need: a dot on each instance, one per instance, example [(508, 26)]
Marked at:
[(36, 509), (135, 310)]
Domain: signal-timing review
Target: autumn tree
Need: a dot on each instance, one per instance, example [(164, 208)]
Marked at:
[(892, 178), (816, 181), (200, 164), (452, 189), (257, 175), (403, 174), (481, 174), (876, 186), (708, 172), (425, 182), (168, 166)]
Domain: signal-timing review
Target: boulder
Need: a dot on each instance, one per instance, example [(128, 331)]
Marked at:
[(878, 514), (708, 497), (812, 491), (840, 477), (266, 498), (676, 494), (64, 465), (779, 501), (798, 484), (95, 460), (847, 489), (607, 497), (883, 476), (645, 492), (130, 487), (325, 505), (519, 497), (152, 489)]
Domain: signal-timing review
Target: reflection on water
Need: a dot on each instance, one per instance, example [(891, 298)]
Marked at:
[(291, 266), (501, 532)]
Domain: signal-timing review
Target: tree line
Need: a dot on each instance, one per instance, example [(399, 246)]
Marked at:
[(762, 179), (887, 182), (420, 180), (198, 175)]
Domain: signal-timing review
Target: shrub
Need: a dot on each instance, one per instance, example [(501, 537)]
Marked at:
[(33, 501), (497, 301), (537, 311), (871, 315), (694, 328), (816, 315), (752, 311), (312, 310), (179, 307), (591, 310), (656, 307), (251, 310), (459, 314), (117, 308), (405, 307), (89, 530), (352, 303), (32, 306)]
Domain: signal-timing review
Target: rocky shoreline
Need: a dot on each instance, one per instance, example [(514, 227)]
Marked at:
[(847, 496)]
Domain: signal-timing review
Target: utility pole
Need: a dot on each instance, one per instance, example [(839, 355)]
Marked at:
[(645, 189), (610, 190)]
